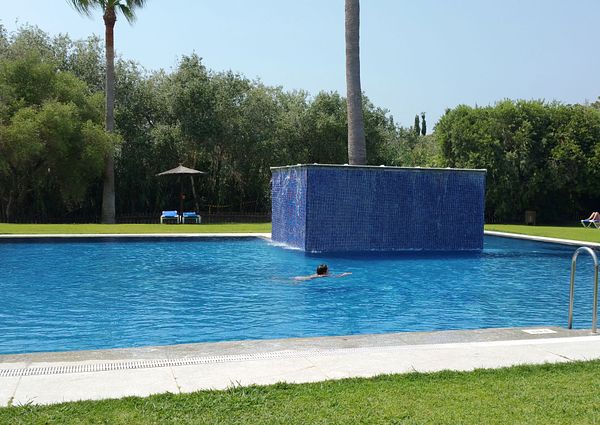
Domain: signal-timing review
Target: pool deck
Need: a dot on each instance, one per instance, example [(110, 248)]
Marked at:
[(46, 378)]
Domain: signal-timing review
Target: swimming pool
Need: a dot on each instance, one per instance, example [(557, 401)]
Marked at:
[(102, 294)]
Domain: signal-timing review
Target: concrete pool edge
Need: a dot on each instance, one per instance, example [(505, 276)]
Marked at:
[(45, 378), (253, 346), (572, 242)]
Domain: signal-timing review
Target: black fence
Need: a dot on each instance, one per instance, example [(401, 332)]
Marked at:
[(207, 218)]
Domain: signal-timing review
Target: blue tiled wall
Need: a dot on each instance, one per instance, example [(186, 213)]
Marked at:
[(343, 208)]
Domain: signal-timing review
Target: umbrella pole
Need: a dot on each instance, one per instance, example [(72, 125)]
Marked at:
[(180, 196), (194, 194)]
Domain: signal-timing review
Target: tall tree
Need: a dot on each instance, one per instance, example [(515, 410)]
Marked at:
[(417, 126), (423, 124), (357, 151), (109, 9), (52, 144)]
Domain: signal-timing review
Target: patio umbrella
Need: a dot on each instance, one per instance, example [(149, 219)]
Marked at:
[(179, 171)]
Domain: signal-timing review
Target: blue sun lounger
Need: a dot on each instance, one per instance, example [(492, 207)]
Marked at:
[(169, 216), (590, 223), (191, 217)]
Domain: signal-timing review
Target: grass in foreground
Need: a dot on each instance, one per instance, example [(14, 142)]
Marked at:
[(575, 233), (134, 228), (548, 394)]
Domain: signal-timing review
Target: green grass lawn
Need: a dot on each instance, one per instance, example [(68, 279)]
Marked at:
[(574, 233), (134, 228), (548, 394)]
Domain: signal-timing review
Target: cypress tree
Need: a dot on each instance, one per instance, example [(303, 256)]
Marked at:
[(423, 124), (417, 127)]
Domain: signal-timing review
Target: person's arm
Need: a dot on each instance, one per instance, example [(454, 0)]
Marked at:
[(312, 276), (343, 274)]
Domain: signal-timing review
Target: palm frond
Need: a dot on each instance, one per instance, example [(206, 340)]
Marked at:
[(84, 7), (127, 8)]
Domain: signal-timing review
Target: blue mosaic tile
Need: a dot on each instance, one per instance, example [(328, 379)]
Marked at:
[(343, 208)]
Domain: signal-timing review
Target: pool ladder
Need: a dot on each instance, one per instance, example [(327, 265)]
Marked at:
[(572, 292)]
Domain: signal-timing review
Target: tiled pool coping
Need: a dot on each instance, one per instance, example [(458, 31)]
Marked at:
[(44, 378)]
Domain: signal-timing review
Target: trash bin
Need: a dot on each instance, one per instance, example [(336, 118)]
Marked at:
[(530, 218)]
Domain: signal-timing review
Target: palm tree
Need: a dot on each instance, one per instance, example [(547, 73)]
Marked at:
[(110, 9), (357, 151)]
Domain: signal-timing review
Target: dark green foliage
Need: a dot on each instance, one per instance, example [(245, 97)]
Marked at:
[(539, 156), (417, 126), (423, 124), (52, 143)]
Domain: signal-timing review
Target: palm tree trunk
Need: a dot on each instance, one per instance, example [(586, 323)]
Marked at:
[(357, 151), (194, 194), (8, 206), (108, 193)]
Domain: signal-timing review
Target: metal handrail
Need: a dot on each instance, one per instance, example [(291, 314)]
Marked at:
[(572, 292)]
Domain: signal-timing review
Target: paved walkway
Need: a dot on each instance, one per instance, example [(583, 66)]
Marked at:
[(45, 378)]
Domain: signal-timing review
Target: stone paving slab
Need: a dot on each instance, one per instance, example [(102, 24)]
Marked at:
[(8, 386), (481, 356), (49, 389), (576, 350), (258, 372), (430, 358)]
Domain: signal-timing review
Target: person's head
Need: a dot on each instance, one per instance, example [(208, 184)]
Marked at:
[(322, 269)]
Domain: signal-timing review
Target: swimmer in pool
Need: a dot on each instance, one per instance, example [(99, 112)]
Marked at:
[(322, 271)]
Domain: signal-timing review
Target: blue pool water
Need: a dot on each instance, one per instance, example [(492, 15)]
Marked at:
[(87, 295)]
